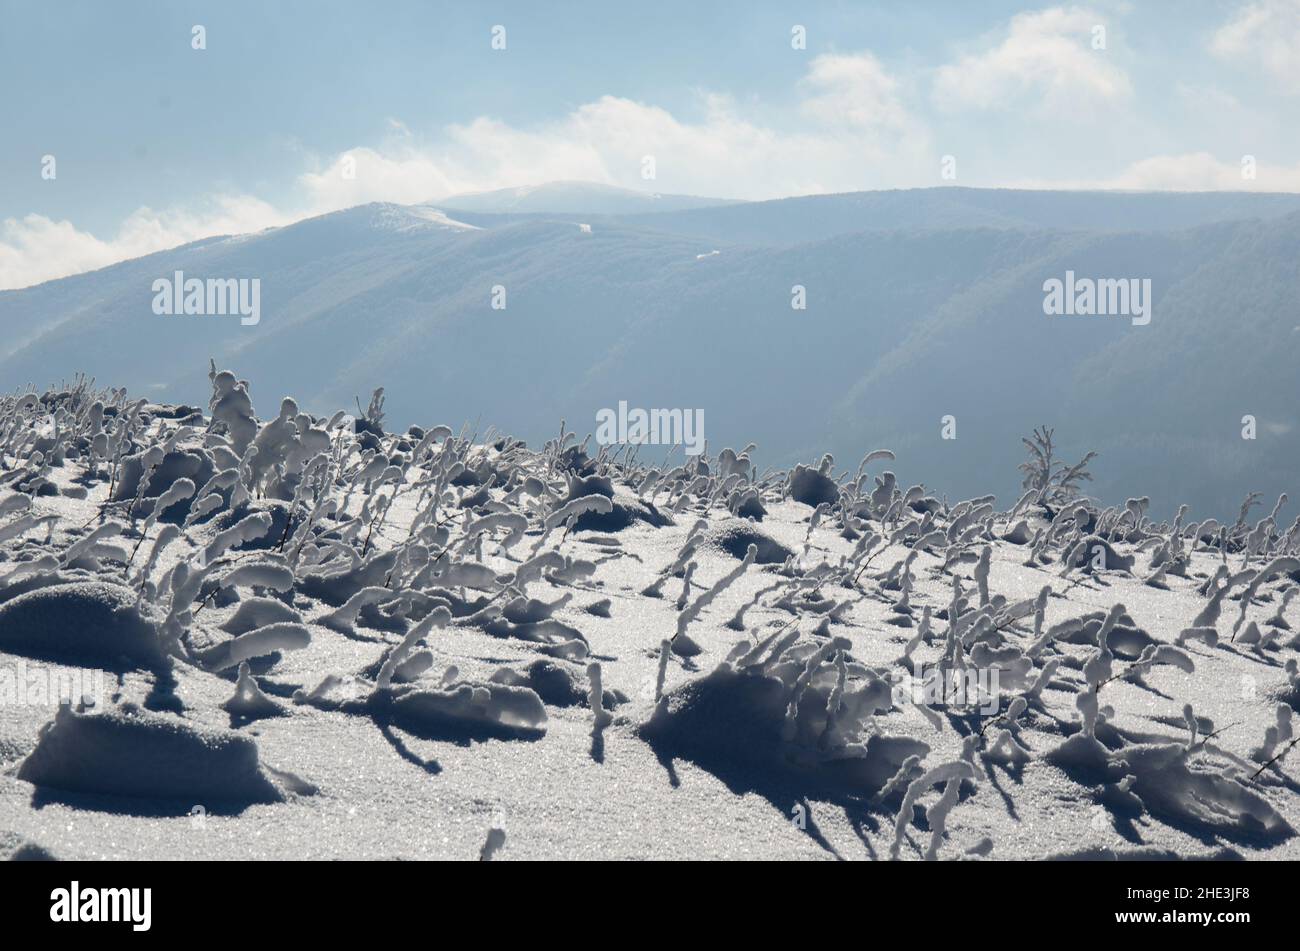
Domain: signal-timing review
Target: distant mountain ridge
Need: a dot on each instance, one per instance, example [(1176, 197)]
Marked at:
[(578, 198), (908, 320)]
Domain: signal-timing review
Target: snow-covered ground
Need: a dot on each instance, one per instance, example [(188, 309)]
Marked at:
[(327, 641)]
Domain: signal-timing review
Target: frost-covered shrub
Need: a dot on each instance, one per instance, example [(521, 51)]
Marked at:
[(813, 486), (789, 707), (1053, 483)]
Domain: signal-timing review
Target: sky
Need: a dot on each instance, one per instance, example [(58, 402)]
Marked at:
[(118, 137)]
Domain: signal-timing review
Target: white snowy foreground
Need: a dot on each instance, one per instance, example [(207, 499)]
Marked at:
[(313, 639)]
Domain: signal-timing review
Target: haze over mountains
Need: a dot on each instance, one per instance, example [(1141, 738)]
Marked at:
[(920, 304), (588, 198)]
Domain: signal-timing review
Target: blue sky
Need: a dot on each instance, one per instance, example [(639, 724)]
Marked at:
[(156, 143)]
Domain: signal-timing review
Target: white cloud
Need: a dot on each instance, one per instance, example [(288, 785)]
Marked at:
[(402, 175), (860, 136), (1265, 34), (1200, 96), (721, 154), (1189, 172), (35, 248), (1046, 61), (855, 89)]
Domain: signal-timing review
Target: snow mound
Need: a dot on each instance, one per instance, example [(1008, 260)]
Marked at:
[(1127, 639), (85, 623), (795, 712), (735, 535), (556, 684), (549, 631), (1169, 786), (625, 512), (259, 612), (474, 709), (131, 752), (460, 712)]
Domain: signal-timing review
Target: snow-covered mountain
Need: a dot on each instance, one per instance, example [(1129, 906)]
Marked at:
[(590, 198), (920, 305)]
